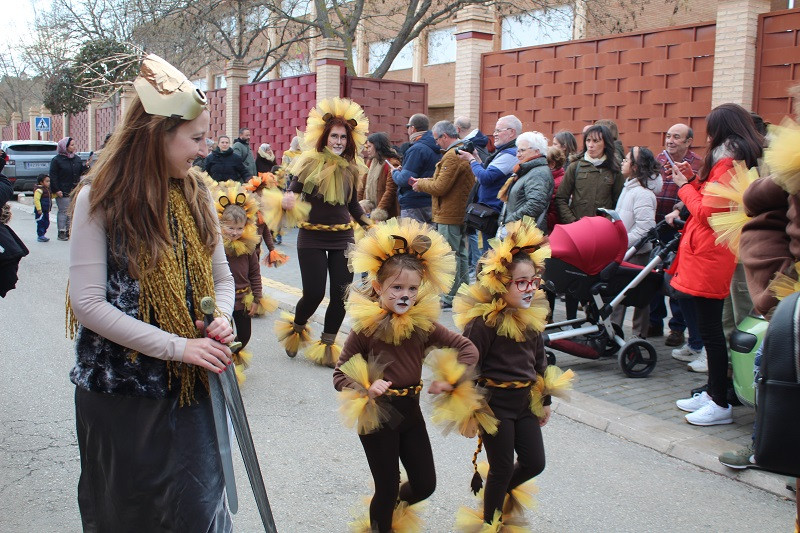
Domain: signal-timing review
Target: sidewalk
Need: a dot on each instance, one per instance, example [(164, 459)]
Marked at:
[(638, 410)]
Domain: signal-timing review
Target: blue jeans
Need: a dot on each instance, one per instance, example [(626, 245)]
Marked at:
[(658, 312), (476, 252), (422, 214), (42, 223), (690, 318), (455, 235)]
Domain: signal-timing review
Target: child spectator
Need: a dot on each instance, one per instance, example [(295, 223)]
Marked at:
[(41, 206)]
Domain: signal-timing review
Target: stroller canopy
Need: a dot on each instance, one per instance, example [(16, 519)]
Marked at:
[(589, 244)]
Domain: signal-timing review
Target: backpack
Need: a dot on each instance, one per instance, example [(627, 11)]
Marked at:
[(777, 432)]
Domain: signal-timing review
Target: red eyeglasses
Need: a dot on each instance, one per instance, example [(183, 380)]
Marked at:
[(524, 285)]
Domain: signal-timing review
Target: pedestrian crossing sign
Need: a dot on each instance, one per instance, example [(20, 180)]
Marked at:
[(42, 124)]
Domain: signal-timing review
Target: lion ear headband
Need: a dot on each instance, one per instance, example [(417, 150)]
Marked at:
[(166, 92), (327, 117), (240, 200)]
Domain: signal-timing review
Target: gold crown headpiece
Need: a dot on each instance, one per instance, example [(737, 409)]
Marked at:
[(166, 91), (405, 237), (522, 236), (330, 108)]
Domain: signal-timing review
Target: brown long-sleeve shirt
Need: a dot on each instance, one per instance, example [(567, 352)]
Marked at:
[(330, 215), (246, 273), (405, 361), (503, 358)]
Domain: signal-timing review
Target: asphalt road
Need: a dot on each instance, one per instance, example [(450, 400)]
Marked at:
[(315, 470)]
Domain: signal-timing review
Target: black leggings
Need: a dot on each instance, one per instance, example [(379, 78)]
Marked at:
[(243, 323), (518, 430), (408, 441), (709, 324), (315, 265)]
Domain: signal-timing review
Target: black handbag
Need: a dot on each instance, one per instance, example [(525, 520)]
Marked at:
[(777, 433), (12, 250), (481, 217)]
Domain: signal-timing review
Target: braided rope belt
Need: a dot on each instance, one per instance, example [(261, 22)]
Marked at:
[(413, 390), (326, 227), (486, 382)]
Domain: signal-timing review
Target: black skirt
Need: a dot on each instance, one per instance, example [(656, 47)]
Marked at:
[(148, 465)]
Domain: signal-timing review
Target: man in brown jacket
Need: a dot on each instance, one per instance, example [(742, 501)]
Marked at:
[(449, 188)]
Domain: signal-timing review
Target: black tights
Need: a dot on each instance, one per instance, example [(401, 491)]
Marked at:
[(518, 430), (709, 324), (315, 266), (243, 323), (409, 443)]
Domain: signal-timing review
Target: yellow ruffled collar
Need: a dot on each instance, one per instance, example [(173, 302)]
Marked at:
[(373, 320), (244, 245), (473, 301), (333, 176)]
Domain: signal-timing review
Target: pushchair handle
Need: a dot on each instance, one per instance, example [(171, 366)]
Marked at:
[(610, 213)]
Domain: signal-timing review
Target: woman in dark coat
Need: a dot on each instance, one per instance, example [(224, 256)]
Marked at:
[(66, 169)]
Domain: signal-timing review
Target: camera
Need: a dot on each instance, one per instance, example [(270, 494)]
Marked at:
[(466, 146)]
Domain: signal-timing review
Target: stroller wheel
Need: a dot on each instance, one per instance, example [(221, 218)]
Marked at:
[(551, 357), (611, 346), (637, 358)]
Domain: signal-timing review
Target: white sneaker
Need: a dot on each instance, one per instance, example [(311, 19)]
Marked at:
[(700, 364), (686, 354), (711, 414), (694, 403)]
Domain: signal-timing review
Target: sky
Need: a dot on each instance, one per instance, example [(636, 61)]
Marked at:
[(18, 16)]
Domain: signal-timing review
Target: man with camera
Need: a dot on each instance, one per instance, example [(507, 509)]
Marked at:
[(491, 174), (419, 161), (449, 188)]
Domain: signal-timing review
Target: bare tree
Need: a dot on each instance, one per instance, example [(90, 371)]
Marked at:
[(19, 90)]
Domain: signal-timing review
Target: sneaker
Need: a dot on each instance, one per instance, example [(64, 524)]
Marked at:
[(686, 354), (43, 239), (699, 365), (675, 338), (739, 459), (694, 403), (711, 414)]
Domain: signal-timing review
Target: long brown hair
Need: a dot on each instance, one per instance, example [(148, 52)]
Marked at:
[(130, 184), (350, 149), (732, 124)]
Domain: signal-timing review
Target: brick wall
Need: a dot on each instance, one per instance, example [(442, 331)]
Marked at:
[(24, 130), (778, 64), (79, 130), (57, 127), (644, 81), (388, 103), (104, 124), (274, 110), (216, 107)]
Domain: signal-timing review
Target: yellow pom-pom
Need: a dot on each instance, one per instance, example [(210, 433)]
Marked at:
[(406, 519), (290, 339), (558, 382), (782, 155), (266, 305), (783, 285)]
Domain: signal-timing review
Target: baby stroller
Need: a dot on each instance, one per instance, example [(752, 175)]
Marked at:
[(587, 263)]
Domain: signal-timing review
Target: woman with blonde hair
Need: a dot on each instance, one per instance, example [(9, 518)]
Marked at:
[(145, 249)]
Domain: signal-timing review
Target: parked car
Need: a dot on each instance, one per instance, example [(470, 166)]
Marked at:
[(25, 160)]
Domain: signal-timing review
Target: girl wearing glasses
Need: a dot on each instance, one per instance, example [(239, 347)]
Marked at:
[(503, 314)]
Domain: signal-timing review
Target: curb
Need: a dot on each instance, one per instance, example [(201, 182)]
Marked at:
[(684, 443)]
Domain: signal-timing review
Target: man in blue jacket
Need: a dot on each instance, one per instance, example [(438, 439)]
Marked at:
[(493, 172), (419, 161)]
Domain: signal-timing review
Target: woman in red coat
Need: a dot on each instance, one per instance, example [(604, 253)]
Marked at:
[(704, 269)]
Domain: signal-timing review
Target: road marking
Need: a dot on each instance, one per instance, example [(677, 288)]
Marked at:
[(273, 284)]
